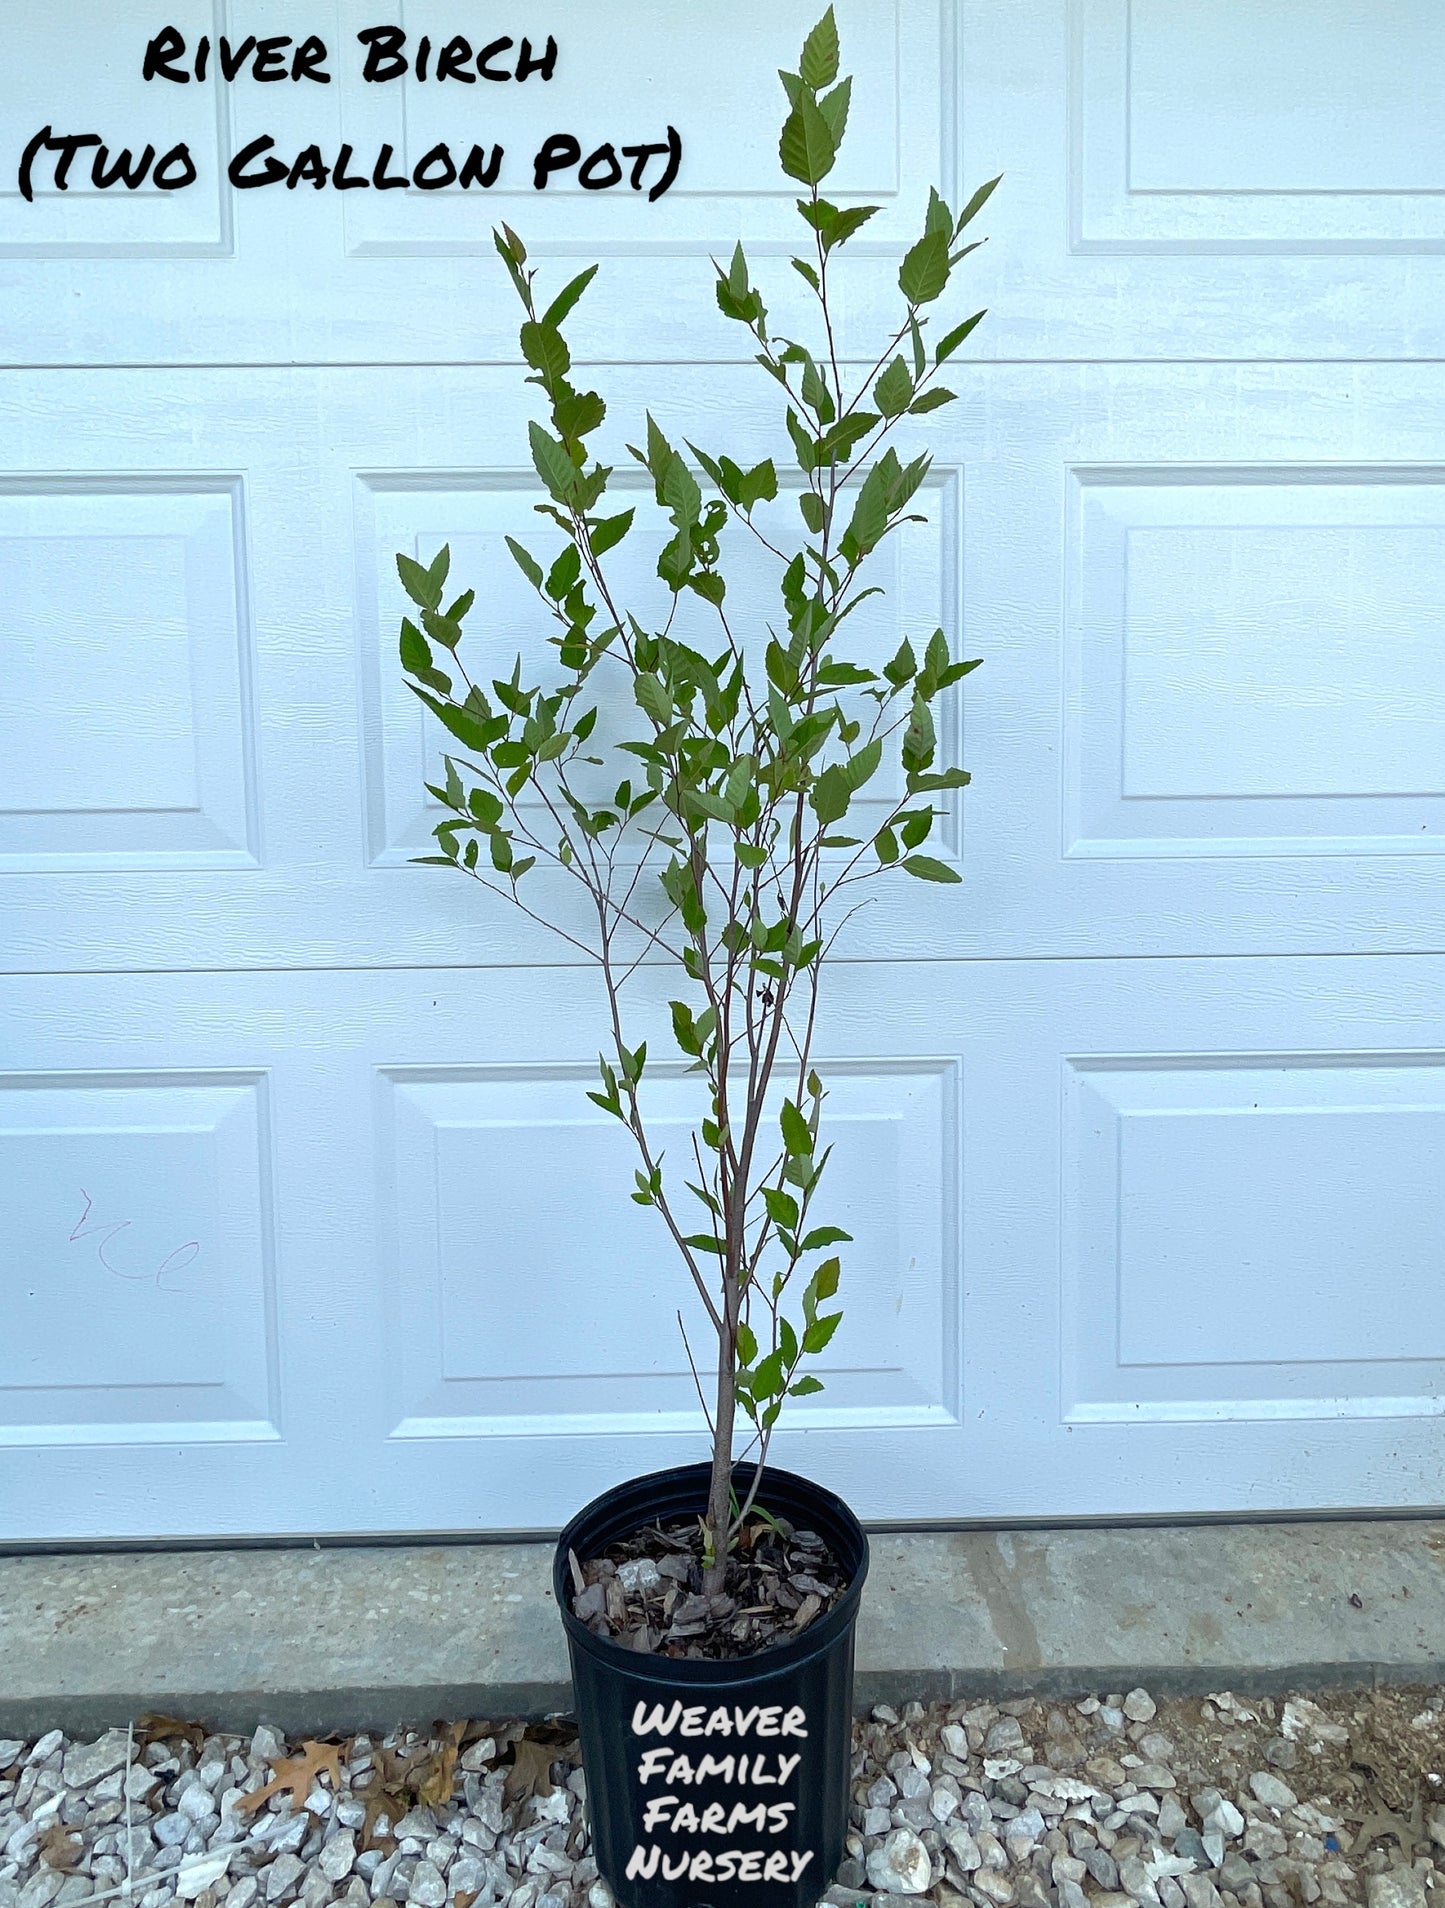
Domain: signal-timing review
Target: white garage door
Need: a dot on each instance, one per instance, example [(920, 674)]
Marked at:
[(306, 1224)]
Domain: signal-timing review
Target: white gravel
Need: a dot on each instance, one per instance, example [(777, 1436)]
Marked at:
[(1088, 1804)]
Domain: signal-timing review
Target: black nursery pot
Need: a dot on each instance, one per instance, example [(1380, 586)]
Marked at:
[(759, 1746)]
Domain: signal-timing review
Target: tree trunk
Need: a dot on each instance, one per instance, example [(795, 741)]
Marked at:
[(719, 1501)]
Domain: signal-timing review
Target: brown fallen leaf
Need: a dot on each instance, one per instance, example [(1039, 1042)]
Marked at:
[(434, 1784), (154, 1727), (530, 1773), (61, 1847), (298, 1776), (464, 1897)]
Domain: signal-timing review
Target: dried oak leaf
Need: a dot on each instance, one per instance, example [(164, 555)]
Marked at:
[(437, 1771), (298, 1776), (61, 1847)]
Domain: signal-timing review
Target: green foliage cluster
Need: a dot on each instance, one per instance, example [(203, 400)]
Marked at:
[(733, 832)]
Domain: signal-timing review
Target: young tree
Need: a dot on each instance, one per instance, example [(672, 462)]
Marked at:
[(725, 848)]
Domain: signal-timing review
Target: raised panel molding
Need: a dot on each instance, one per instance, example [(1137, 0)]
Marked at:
[(728, 176), (474, 512), (130, 743), (1308, 126), (78, 67), (499, 1178), (137, 1216), (1253, 1237), (1252, 661)]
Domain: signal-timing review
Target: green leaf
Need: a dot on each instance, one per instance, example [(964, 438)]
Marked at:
[(955, 338), (841, 675), (831, 794), (931, 401), (758, 485), (822, 1236), (610, 531), (975, 204), (578, 412), (545, 349), (552, 463), (419, 583), (653, 699), (834, 108), (768, 1378), (860, 769), (415, 655), (903, 666), (811, 506), (472, 731), (851, 220), (782, 1207), (819, 65), (683, 1027), (797, 1137), (824, 1281), (886, 844), (805, 1386), (924, 271), (894, 389), (815, 1339), (526, 563), (568, 296), (807, 149), (747, 1344), (945, 778), (927, 869), (706, 1242)]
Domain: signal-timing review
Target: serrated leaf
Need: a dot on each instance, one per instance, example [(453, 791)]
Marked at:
[(894, 389), (782, 1207), (818, 66), (545, 349), (797, 1137), (815, 1339), (822, 1236), (924, 271), (805, 1386), (834, 108), (419, 584), (552, 463), (415, 654), (807, 149), (931, 401)]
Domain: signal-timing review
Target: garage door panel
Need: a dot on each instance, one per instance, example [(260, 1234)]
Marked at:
[(137, 1209), (505, 1178), (1166, 195), (131, 742), (410, 1379), (1255, 660), (1043, 478), (1253, 1236)]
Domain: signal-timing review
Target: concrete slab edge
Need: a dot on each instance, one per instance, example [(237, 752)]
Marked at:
[(321, 1641)]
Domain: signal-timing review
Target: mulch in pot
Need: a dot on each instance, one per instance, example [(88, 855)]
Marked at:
[(646, 1590)]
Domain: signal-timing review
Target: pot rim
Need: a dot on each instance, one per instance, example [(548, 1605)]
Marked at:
[(778, 1658)]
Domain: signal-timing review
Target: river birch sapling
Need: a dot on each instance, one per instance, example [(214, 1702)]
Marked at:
[(730, 848)]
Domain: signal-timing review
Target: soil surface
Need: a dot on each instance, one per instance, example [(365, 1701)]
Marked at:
[(646, 1591)]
